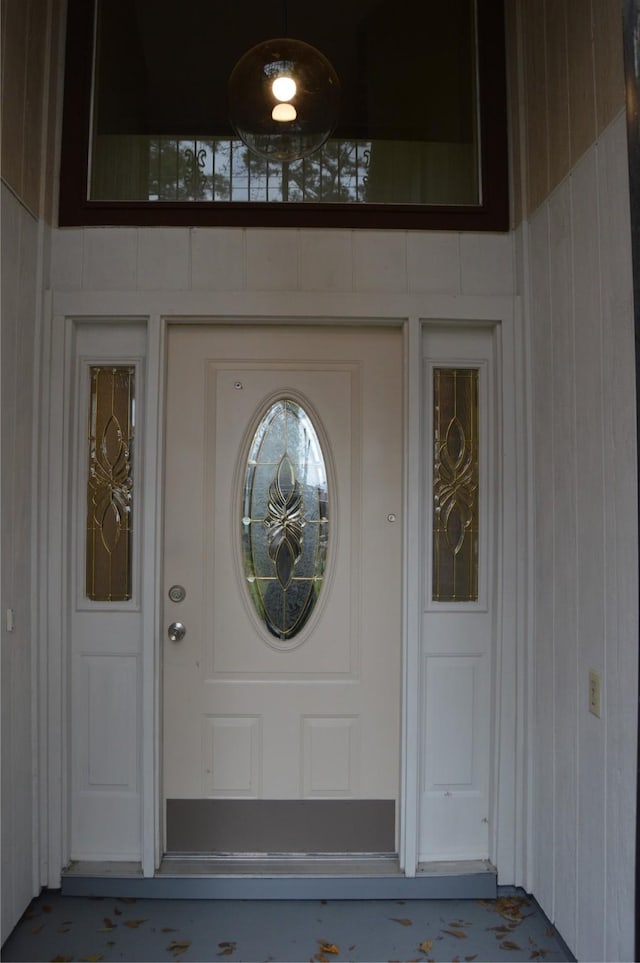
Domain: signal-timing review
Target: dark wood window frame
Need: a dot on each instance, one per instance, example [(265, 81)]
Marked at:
[(491, 215)]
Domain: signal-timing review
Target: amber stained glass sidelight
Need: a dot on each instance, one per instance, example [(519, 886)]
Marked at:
[(110, 484), (455, 485)]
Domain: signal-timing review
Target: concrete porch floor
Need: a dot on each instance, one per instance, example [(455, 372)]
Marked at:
[(76, 928)]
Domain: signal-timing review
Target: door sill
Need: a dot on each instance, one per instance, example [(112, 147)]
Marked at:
[(283, 877), (281, 864)]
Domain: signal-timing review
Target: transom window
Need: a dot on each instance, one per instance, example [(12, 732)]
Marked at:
[(420, 140)]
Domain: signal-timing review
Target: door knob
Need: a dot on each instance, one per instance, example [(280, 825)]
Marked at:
[(176, 632)]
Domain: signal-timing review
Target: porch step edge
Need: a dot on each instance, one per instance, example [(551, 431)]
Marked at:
[(477, 885)]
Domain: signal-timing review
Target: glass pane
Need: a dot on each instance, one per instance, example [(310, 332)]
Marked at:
[(408, 126), (343, 171), (110, 484), (285, 519), (455, 484)]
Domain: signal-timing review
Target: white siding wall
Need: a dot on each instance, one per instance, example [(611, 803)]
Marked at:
[(20, 299), (233, 260), (586, 574)]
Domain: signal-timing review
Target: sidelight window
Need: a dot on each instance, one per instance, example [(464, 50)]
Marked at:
[(455, 485), (110, 484)]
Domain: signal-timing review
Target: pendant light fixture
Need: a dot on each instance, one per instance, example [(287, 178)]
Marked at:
[(284, 97)]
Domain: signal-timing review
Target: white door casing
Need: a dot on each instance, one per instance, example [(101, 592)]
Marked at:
[(508, 682), (246, 717)]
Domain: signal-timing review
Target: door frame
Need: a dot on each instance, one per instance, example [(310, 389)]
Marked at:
[(510, 812)]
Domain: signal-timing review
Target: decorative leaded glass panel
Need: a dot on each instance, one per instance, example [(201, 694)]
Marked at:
[(455, 485), (109, 488), (285, 518)]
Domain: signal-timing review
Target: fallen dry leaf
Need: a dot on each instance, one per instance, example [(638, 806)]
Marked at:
[(168, 929), (403, 921), (470, 958), (62, 959), (109, 924), (510, 907), (179, 946), (459, 934), (116, 911), (227, 948), (328, 947), (63, 929), (47, 909), (127, 899), (38, 929), (133, 924), (92, 959), (425, 946), (509, 945), (321, 958)]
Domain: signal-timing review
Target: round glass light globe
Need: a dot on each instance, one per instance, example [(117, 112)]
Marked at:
[(251, 99)]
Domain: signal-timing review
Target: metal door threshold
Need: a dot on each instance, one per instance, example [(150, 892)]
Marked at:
[(283, 878)]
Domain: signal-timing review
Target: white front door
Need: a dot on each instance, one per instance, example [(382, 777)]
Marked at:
[(285, 742)]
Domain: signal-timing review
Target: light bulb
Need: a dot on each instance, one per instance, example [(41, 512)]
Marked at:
[(284, 88), (284, 112)]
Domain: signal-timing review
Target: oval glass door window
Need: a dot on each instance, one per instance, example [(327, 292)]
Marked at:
[(285, 519)]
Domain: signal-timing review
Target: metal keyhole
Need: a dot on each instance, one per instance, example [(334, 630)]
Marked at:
[(176, 632)]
